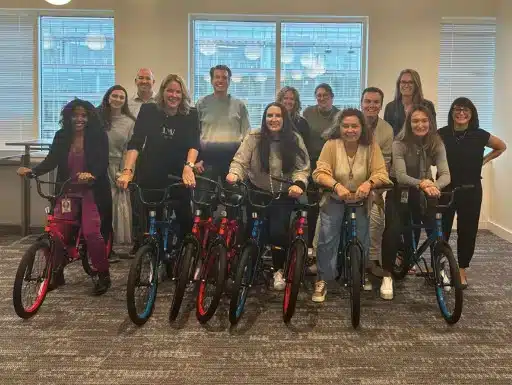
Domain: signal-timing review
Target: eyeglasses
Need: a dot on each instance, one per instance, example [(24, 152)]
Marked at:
[(464, 110)]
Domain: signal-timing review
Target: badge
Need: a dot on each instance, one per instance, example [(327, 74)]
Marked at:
[(65, 205), (404, 197)]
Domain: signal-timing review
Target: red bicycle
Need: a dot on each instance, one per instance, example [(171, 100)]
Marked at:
[(42, 256), (196, 245)]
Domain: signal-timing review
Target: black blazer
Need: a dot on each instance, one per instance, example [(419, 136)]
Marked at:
[(96, 163)]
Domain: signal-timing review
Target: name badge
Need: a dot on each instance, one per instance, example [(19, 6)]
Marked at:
[(65, 205), (404, 197)]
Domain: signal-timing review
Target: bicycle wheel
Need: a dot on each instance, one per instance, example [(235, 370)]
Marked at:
[(143, 275), (25, 274), (183, 274), (211, 286), (354, 260), (448, 283), (401, 263), (244, 277), (294, 273)]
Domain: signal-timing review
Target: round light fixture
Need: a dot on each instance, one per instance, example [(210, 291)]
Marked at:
[(58, 2), (252, 52), (207, 48)]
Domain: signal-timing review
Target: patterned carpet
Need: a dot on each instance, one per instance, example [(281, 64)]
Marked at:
[(79, 339)]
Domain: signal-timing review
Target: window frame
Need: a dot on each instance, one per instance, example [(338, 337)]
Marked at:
[(38, 14), (279, 20)]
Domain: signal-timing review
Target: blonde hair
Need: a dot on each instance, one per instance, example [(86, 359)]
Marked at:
[(417, 96), (186, 102), (297, 105)]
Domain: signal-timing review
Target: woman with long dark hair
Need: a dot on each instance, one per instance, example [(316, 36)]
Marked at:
[(465, 144), (118, 122), (274, 151), (351, 162), (80, 151)]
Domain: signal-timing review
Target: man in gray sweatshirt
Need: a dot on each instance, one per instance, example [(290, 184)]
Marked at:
[(224, 124), (371, 104)]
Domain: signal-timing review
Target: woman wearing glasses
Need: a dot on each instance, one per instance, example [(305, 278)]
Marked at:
[(465, 144), (408, 93)]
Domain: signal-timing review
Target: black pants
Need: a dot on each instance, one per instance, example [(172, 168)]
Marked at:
[(278, 225), (182, 209), (398, 215), (467, 205), (313, 212)]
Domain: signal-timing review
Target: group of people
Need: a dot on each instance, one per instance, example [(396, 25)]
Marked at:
[(350, 153)]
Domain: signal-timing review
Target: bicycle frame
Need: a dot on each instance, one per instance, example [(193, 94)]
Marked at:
[(349, 238)]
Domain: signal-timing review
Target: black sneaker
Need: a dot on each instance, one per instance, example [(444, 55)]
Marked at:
[(56, 280), (101, 283)]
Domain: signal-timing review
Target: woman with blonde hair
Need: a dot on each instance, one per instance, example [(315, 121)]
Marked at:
[(166, 135), (408, 92)]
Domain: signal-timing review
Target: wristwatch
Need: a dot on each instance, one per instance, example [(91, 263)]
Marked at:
[(127, 169), (190, 164)]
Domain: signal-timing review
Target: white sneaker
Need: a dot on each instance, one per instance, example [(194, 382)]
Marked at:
[(446, 281), (320, 292), (386, 288), (279, 283), (367, 285)]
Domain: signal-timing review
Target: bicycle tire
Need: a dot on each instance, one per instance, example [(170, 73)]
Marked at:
[(218, 267), (354, 260), (294, 273), (182, 274), (247, 263), (133, 280), (443, 249), (27, 262)]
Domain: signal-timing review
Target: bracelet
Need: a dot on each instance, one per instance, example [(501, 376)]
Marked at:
[(191, 165), (127, 169), (334, 186)]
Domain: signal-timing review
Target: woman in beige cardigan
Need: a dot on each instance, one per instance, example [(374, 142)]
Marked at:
[(350, 164)]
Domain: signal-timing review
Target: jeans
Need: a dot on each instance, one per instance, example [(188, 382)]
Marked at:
[(331, 222), (377, 222)]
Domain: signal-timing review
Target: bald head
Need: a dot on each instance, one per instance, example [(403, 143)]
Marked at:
[(144, 82)]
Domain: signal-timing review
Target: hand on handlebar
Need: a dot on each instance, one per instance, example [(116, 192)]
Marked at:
[(85, 177), (199, 167), (342, 191), (425, 183), (189, 179), (295, 191), (124, 179), (231, 178), (432, 191), (22, 171), (363, 190)]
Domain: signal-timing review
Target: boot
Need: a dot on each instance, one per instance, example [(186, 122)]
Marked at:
[(101, 283), (57, 279)]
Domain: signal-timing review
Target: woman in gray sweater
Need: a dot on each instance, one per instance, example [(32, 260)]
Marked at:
[(274, 151), (416, 148), (119, 123)]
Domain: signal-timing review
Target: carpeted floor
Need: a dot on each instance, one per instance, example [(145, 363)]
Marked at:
[(79, 339)]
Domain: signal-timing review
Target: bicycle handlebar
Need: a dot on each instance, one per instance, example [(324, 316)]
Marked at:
[(39, 182), (452, 194), (164, 191)]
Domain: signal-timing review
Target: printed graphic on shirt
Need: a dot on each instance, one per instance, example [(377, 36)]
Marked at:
[(167, 132)]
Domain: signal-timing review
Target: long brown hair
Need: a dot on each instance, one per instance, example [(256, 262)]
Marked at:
[(185, 103), (105, 110), (366, 137), (432, 140), (295, 113)]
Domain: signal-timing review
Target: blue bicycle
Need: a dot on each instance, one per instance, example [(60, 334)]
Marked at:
[(157, 256)]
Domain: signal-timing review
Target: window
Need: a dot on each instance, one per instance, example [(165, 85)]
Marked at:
[(268, 54), (466, 68), (16, 77), (76, 60)]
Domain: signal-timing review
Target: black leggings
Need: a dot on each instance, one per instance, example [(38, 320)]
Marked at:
[(399, 215), (467, 205)]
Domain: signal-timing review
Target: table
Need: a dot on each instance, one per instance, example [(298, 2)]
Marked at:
[(29, 146)]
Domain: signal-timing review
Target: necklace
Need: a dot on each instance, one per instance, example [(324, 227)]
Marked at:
[(351, 166), (326, 117), (459, 138)]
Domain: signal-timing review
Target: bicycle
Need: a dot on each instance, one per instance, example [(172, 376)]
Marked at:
[(159, 248), (196, 246), (255, 256), (74, 251), (444, 275)]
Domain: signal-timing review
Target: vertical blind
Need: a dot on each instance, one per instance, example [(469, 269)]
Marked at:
[(16, 77), (466, 68)]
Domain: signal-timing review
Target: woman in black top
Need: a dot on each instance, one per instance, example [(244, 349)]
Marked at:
[(465, 143), (166, 135), (408, 93), (289, 97)]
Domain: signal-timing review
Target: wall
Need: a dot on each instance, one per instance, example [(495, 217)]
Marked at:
[(154, 33), (500, 208)]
